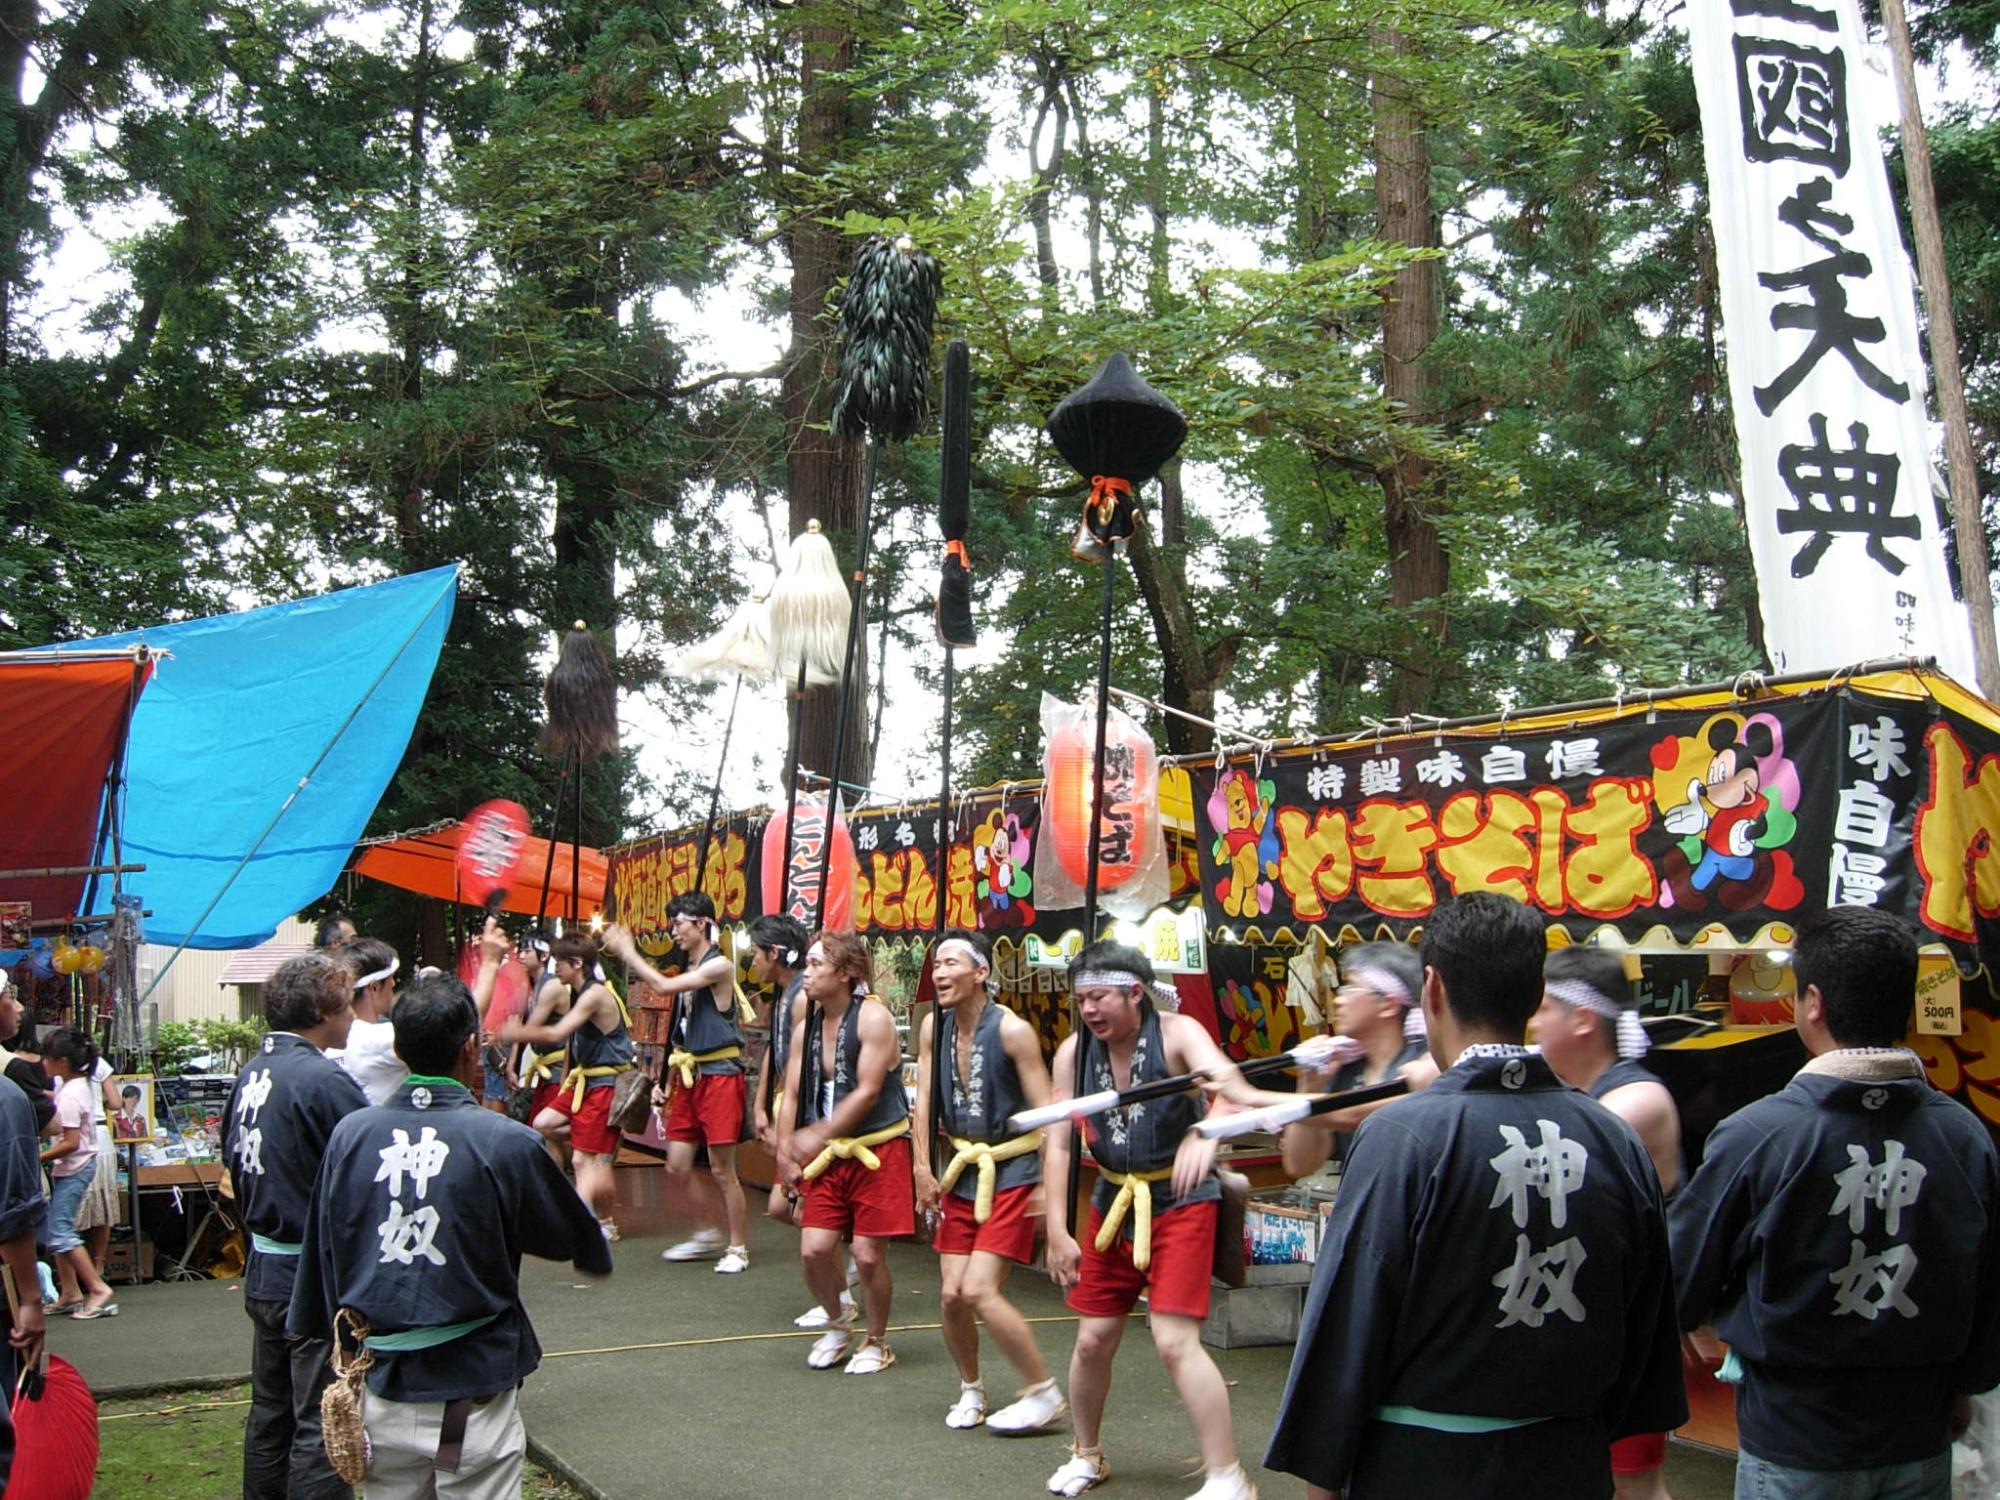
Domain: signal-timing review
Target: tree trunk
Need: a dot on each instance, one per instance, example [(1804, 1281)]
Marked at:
[(1419, 571), (822, 472), (1189, 672)]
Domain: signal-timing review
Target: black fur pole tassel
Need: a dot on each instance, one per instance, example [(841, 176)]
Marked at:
[(883, 395), (582, 699)]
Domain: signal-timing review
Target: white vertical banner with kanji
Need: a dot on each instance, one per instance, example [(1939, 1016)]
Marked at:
[(1825, 373)]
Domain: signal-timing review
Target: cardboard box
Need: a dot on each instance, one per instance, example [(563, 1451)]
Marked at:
[(127, 1262)]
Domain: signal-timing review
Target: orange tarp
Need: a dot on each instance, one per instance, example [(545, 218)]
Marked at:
[(427, 863)]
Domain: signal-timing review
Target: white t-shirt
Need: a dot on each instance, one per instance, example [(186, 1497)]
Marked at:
[(73, 1113), (371, 1061)]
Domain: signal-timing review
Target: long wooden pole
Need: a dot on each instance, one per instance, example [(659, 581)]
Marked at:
[(1961, 469)]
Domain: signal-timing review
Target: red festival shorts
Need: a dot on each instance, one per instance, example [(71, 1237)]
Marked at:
[(545, 1097), (590, 1127), (710, 1113), (1008, 1233), (877, 1205), (1177, 1281), (1641, 1453)]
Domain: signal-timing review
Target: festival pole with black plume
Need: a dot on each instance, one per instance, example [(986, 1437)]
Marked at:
[(954, 629), (1116, 431), (883, 395), (582, 700)]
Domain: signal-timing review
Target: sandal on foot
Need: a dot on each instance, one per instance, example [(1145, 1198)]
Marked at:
[(102, 1310), (1086, 1469), (1226, 1484), (871, 1358), (1040, 1408), (832, 1346), (970, 1408)]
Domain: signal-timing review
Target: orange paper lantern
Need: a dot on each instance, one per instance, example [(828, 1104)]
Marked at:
[(1125, 846)]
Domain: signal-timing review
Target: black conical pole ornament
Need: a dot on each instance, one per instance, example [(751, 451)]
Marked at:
[(1116, 431)]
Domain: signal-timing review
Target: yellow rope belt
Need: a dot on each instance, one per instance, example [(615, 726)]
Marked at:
[(577, 1080), (855, 1148), (538, 1067), (986, 1155), (1135, 1191), (681, 1061)]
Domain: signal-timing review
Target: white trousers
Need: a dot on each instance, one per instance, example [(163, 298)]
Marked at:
[(403, 1443)]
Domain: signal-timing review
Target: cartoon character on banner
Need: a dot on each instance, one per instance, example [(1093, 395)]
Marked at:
[(1731, 796), (1252, 1025), (1002, 871), (1246, 842)]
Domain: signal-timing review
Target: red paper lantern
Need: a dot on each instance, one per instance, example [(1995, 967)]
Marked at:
[(1125, 846), (805, 852)]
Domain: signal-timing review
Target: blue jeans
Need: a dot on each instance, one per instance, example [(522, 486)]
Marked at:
[(65, 1198), (1925, 1479)]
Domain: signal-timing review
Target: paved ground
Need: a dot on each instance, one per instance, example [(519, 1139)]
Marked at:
[(671, 1379)]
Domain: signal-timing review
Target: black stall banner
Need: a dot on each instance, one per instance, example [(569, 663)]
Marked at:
[(1745, 815)]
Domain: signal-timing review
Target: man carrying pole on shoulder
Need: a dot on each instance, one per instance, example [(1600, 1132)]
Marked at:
[(1152, 1216)]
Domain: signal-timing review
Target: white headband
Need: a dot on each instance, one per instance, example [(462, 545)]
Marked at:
[(1382, 982), (376, 978), (818, 950), (1164, 995), (1631, 1036), (964, 950)]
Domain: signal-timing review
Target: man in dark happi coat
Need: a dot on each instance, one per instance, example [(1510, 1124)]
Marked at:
[(1493, 1302), (1841, 1234), (22, 1205), (284, 1107), (423, 1211)]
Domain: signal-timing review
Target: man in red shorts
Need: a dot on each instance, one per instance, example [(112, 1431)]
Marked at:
[(702, 1083), (1152, 1216), (600, 1048), (845, 1146), (977, 1064), (548, 1001), (1589, 1032)]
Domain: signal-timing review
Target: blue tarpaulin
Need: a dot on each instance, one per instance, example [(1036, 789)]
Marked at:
[(312, 701)]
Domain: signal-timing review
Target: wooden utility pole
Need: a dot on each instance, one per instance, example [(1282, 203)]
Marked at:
[(1967, 519)]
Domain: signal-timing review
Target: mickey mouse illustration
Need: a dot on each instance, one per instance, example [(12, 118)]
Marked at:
[(1726, 812)]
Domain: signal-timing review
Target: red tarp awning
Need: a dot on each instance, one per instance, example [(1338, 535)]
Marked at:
[(427, 863), (66, 718)]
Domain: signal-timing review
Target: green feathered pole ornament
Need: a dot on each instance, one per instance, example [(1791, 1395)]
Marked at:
[(883, 396)]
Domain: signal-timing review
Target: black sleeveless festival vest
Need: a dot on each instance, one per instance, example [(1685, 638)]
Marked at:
[(976, 1107), (1141, 1137), (891, 1104), (706, 1021)]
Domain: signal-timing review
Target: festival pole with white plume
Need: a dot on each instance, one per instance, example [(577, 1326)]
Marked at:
[(807, 621), (740, 649)]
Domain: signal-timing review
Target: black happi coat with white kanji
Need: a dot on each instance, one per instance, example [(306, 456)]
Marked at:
[(284, 1107), (1841, 1236), (1497, 1250), (423, 1211)]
